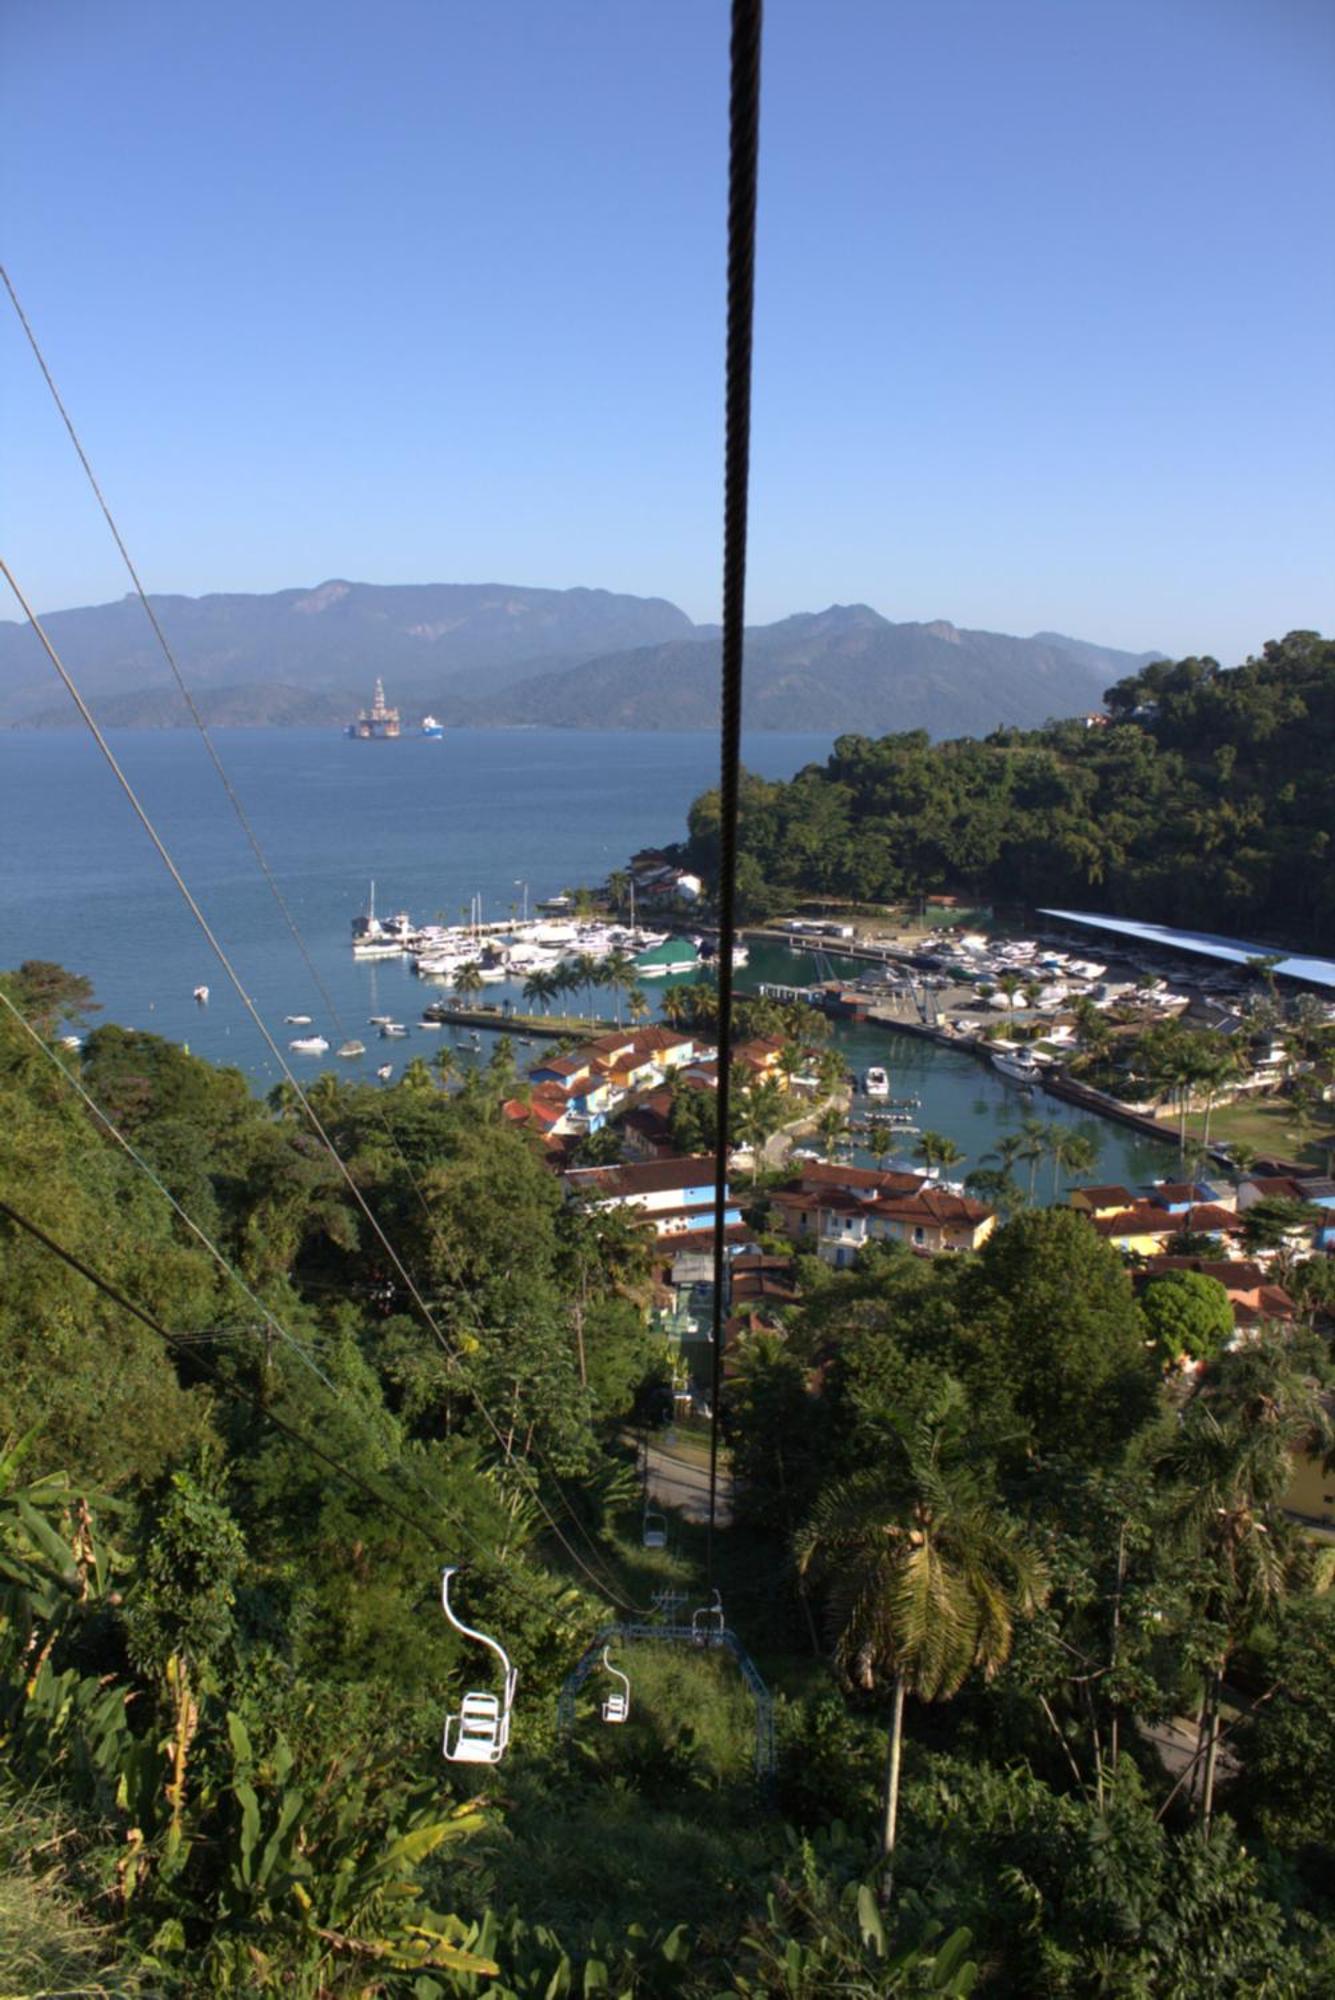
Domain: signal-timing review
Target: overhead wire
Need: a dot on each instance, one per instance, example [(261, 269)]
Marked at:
[(743, 163), (256, 847), (109, 1125), (225, 961), (201, 1365)]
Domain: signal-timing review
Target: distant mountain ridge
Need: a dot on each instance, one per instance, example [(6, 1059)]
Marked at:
[(845, 669), (510, 655)]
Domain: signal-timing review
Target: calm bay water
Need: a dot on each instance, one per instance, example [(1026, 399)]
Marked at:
[(478, 812)]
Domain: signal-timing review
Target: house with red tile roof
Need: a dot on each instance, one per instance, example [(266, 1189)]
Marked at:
[(931, 1220)]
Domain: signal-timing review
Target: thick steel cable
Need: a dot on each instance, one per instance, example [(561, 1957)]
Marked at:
[(197, 1361), (220, 953), (109, 1125), (243, 819), (178, 1343), (743, 159)]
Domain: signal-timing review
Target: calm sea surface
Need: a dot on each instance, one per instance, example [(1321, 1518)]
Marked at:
[(433, 822)]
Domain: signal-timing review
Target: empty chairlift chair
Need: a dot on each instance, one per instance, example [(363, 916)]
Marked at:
[(655, 1529), (616, 1707), (480, 1732), (707, 1622)]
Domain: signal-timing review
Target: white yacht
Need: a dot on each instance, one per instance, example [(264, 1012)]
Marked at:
[(309, 1045), (876, 1083), (1018, 1065), (350, 1049)]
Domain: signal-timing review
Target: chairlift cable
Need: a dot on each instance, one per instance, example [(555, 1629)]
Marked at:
[(197, 1361), (252, 837), (243, 994), (177, 1343), (743, 158), (76, 1083)]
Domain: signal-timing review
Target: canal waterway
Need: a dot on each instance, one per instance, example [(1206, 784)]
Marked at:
[(504, 814)]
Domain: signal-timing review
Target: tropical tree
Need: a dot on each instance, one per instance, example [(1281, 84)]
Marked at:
[(618, 972), (637, 1004), (759, 1109), (468, 979), (935, 1150), (539, 989), (1010, 983), (1032, 1148), (925, 1576), (1071, 1152), (675, 1006), (443, 1062), (832, 1126), (996, 1187), (1229, 1465), (417, 1078), (618, 889), (587, 974)]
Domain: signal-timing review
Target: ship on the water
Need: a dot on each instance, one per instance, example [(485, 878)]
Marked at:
[(379, 722), (430, 726)]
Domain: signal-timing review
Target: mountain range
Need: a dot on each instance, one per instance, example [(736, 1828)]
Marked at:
[(508, 655)]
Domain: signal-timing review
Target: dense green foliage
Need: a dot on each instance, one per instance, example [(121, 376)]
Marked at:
[(223, 1667), (1208, 799)]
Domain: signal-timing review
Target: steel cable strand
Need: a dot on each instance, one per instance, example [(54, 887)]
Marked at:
[(499, 1570), (743, 160), (256, 847), (248, 1003), (109, 1125)]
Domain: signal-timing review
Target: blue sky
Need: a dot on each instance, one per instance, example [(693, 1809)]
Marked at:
[(433, 290)]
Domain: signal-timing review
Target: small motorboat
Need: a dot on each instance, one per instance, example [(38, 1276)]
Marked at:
[(425, 1023), (309, 1045), (297, 1020), (378, 1020), (202, 995), (351, 1049), (385, 1072), (392, 1031), (877, 1083)]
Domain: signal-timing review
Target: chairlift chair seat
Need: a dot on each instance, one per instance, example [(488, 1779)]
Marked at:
[(655, 1530), (479, 1731), (616, 1707)]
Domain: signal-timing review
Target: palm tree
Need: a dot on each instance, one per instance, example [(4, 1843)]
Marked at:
[(538, 989), (1032, 1148), (1071, 1152), (468, 979), (618, 972), (994, 1185), (637, 1004), (675, 1005), (1010, 983), (417, 1078), (934, 1149), (832, 1126), (1230, 1462), (443, 1063), (759, 1109), (618, 889), (587, 973), (925, 1578)]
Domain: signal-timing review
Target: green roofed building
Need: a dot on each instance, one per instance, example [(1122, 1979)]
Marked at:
[(663, 961)]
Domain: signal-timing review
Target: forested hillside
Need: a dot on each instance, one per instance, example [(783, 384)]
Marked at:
[(1208, 799), (970, 1525)]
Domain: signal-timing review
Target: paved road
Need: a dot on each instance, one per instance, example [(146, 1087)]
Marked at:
[(683, 1484)]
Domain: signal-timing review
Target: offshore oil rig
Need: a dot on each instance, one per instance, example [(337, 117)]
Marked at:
[(376, 723)]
